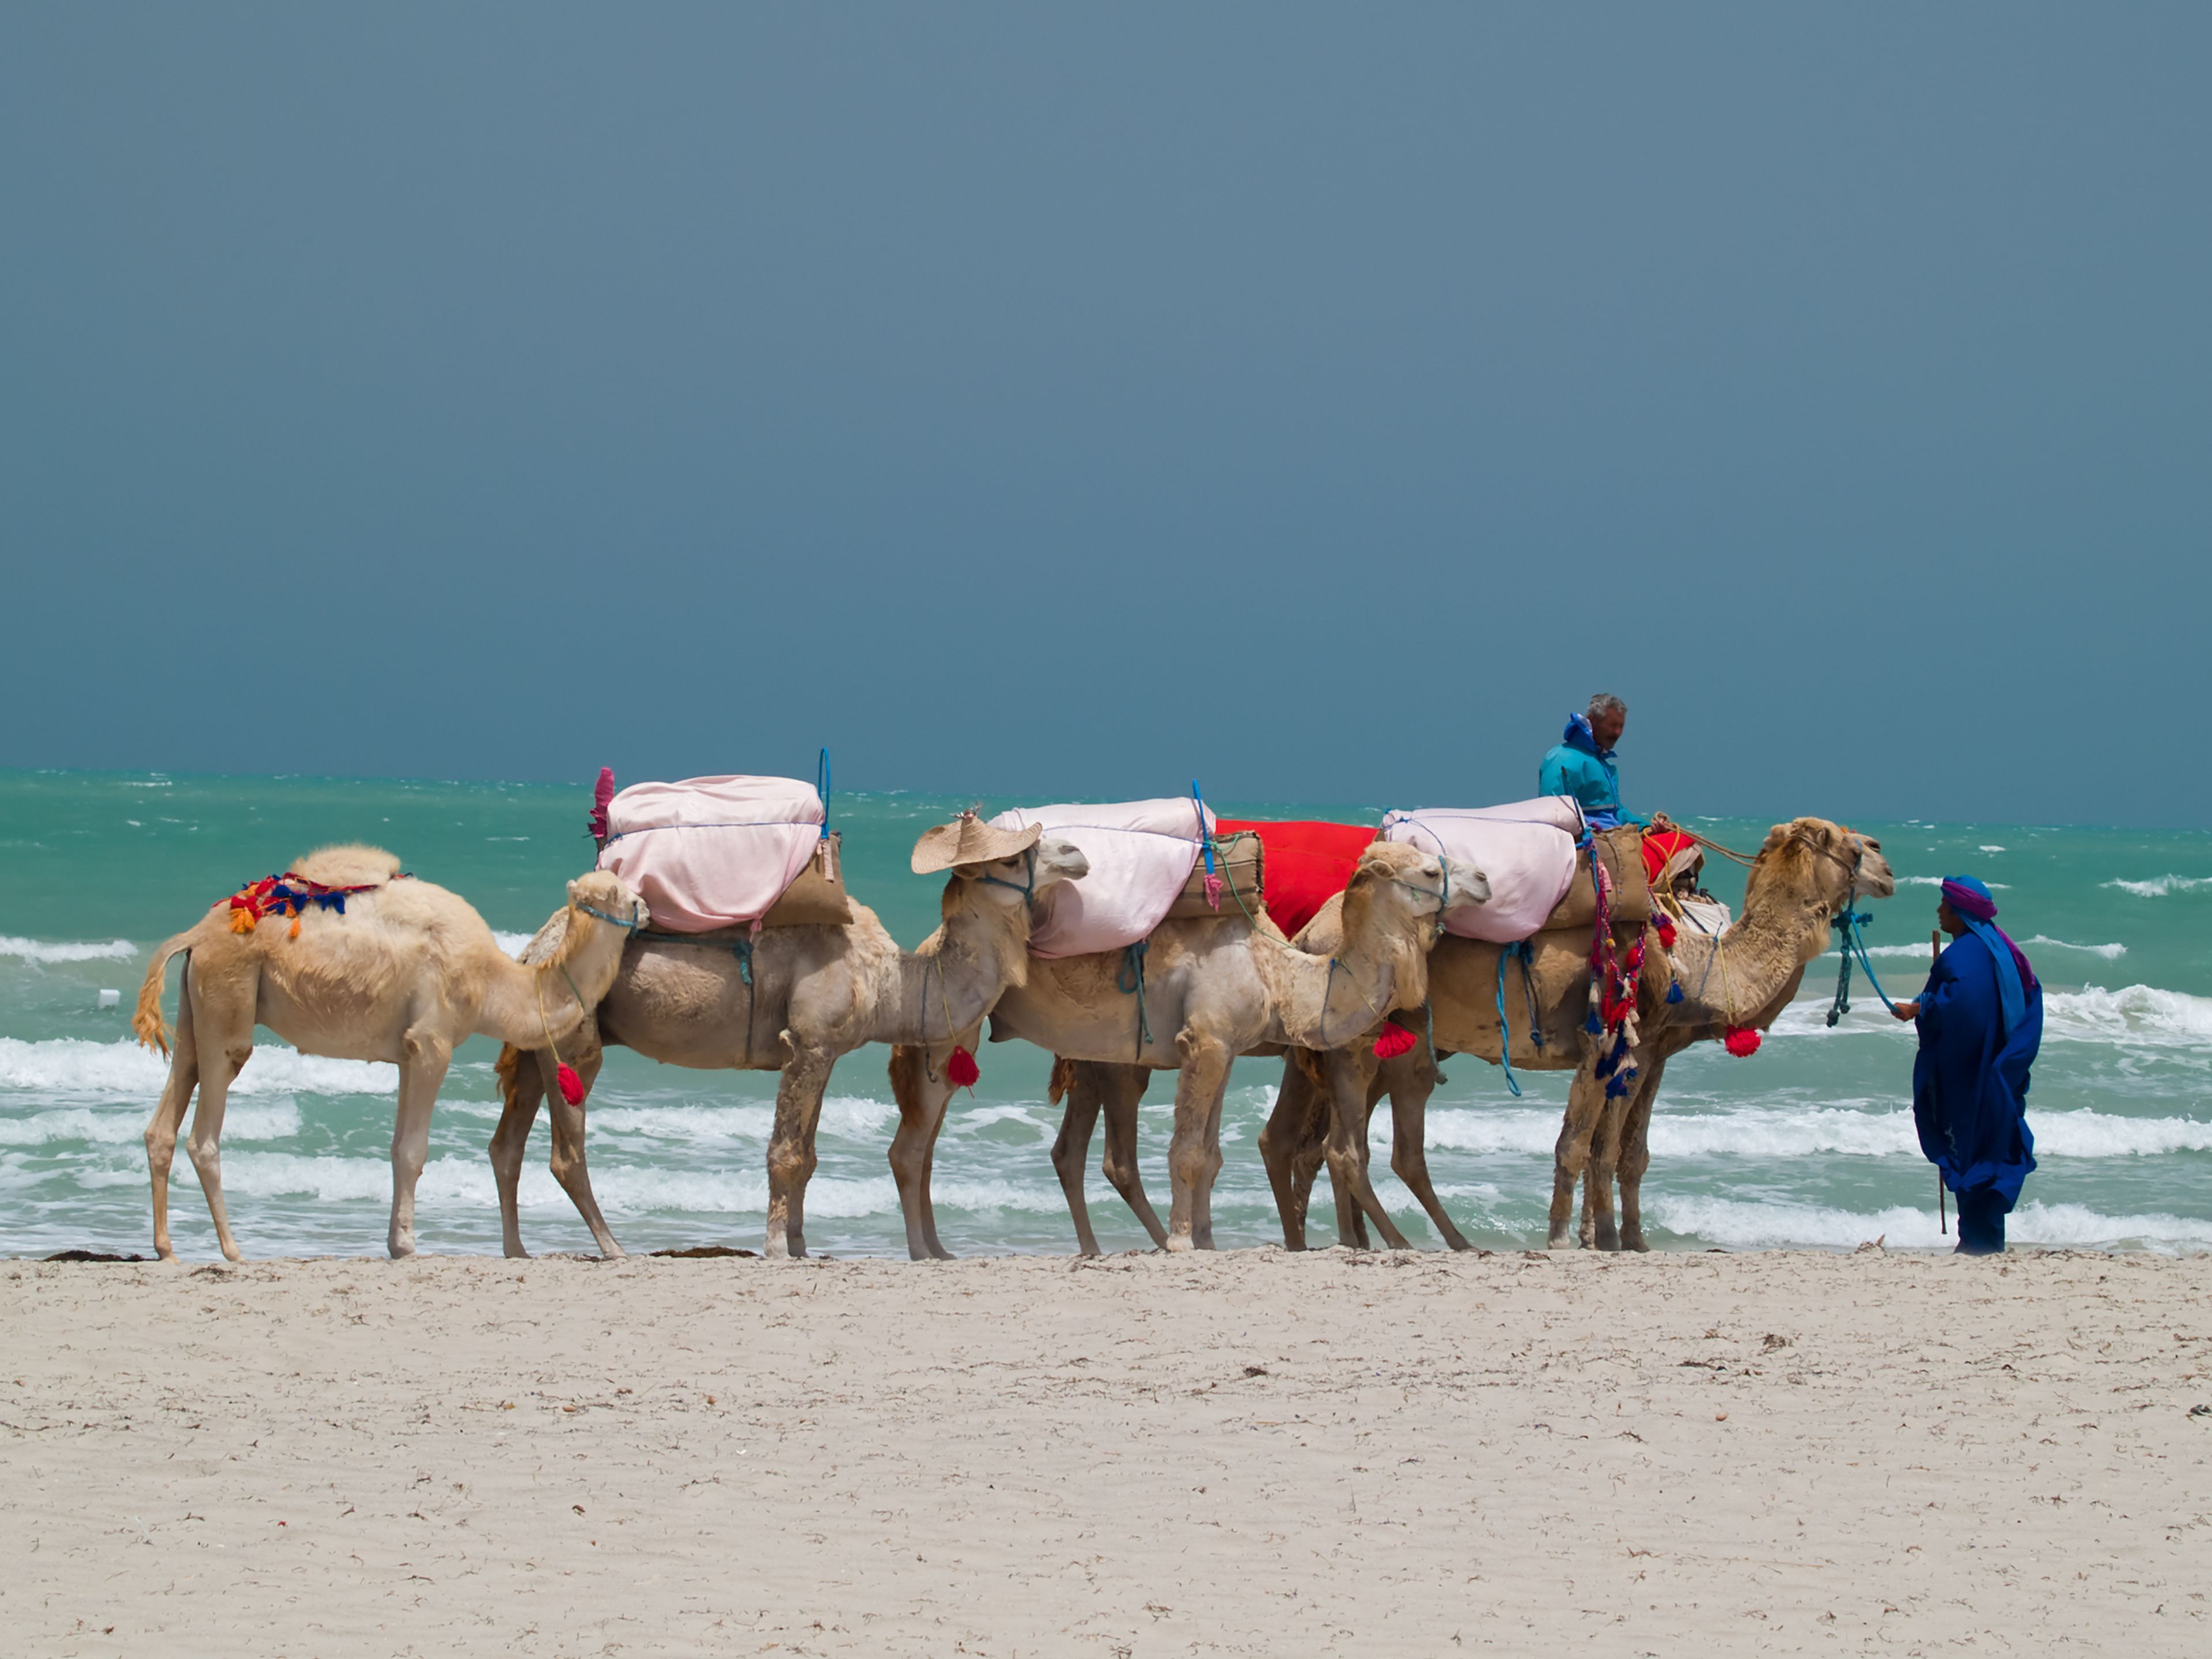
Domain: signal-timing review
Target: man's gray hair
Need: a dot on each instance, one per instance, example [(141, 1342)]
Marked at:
[(1606, 704)]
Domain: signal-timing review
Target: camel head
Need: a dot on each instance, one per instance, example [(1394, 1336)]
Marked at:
[(1020, 880), (603, 895), (1820, 866), (1396, 882)]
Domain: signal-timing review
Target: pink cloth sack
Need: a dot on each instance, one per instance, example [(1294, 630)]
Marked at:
[(1141, 852), (1526, 849), (711, 852)]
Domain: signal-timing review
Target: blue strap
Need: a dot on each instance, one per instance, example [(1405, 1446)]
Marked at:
[(1204, 840), (821, 788), (1505, 1032), (1130, 978)]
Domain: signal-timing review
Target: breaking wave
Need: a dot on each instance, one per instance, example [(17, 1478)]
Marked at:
[(2160, 886), (2138, 1015), (1741, 1225), (75, 1068), (39, 949), (1807, 1131)]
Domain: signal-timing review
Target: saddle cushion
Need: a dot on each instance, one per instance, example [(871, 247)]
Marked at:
[(709, 853), (1140, 852)]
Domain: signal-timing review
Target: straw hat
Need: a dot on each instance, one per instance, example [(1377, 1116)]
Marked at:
[(969, 840)]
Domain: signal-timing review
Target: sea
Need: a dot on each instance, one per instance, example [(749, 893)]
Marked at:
[(1807, 1143)]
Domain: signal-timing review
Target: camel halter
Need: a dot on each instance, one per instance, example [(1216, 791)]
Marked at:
[(1027, 886), (630, 924)]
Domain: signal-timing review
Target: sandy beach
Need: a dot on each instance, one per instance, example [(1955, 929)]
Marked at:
[(1250, 1453)]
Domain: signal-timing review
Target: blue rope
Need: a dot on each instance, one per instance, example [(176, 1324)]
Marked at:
[(821, 788), (1849, 943), (1131, 978), (1505, 1032)]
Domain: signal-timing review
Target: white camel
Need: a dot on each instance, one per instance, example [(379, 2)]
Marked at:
[(346, 958)]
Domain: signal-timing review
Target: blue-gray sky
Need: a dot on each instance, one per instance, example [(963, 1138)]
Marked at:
[(1054, 400)]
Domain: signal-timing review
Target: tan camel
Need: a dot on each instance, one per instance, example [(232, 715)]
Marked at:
[(1204, 993), (403, 972), (1805, 872), (792, 999)]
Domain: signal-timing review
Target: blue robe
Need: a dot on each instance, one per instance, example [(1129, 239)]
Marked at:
[(1970, 1081)]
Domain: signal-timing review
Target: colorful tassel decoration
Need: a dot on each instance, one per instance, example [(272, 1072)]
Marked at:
[(295, 931), (1394, 1041), (1213, 892), (961, 1070), (241, 920), (1743, 1041), (1666, 933), (572, 1086)]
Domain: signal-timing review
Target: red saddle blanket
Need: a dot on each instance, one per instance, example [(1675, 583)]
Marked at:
[(1305, 864)]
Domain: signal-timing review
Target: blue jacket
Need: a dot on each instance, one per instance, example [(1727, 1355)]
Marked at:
[(1577, 765)]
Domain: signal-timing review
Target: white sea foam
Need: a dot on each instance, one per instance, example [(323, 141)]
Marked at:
[(1805, 1131), (1919, 952), (1937, 881), (74, 1068), (2160, 886), (512, 943), (278, 1120), (2136, 1015), (40, 950), (1992, 849), (1740, 1225)]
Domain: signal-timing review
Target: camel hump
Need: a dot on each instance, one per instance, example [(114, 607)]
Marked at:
[(349, 866)]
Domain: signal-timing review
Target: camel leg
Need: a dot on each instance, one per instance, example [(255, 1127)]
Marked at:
[(1202, 1203), (922, 1104), (791, 1147), (225, 1020), (1284, 1143), (1636, 1156), (521, 1086), (1199, 1084), (1409, 1080), (423, 1059), (570, 1166), (1585, 1107), (1070, 1150), (1122, 1088), (1600, 1230), (1351, 1091), (169, 1116)]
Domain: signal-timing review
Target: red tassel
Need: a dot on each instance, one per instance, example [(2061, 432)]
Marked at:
[(961, 1070), (1213, 892), (1743, 1041), (1394, 1041), (1666, 933), (572, 1086)]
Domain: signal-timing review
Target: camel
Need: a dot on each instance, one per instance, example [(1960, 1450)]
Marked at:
[(393, 970), (792, 999), (1807, 871), (1205, 992)]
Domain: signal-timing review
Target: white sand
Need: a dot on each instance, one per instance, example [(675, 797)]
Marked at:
[(1250, 1453)]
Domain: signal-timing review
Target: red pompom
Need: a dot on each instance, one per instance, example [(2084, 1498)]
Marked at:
[(1394, 1041), (572, 1086), (961, 1070), (1666, 933), (1743, 1041)]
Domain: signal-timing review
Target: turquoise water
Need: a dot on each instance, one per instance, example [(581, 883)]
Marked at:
[(1808, 1142)]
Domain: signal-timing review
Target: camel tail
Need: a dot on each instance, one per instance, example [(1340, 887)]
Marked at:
[(153, 1030), (1063, 1079)]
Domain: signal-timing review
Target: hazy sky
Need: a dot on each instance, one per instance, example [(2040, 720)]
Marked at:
[(1059, 400)]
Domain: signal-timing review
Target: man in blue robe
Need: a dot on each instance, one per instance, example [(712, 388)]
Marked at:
[(1581, 764), (1981, 1022)]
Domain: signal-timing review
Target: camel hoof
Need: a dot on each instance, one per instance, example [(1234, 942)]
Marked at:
[(1608, 1238), (1178, 1244), (1634, 1241), (1562, 1241)]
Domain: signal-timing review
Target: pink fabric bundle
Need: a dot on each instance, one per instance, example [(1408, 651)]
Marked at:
[(710, 853), (1141, 852), (1526, 849)]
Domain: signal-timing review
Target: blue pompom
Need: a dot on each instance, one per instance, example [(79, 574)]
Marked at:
[(1674, 992)]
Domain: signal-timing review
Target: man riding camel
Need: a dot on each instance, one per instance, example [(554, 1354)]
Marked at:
[(1581, 764)]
